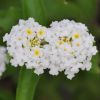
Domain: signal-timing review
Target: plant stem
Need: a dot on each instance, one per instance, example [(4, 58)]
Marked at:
[(26, 84)]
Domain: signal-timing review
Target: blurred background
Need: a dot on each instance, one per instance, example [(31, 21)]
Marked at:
[(85, 86)]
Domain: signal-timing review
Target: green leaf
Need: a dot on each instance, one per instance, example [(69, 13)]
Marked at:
[(5, 4), (26, 84), (80, 10), (49, 10), (95, 64), (88, 8), (34, 8), (58, 10), (9, 17)]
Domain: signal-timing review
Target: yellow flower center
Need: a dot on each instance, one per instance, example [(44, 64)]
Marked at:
[(65, 49), (29, 31), (34, 42), (76, 35), (19, 38), (60, 42), (37, 52), (41, 33), (64, 39)]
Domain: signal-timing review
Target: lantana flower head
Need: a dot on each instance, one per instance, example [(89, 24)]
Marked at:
[(3, 59), (26, 44), (72, 48)]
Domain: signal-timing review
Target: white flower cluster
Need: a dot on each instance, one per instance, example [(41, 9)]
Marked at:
[(72, 48), (65, 46), (3, 59), (27, 44)]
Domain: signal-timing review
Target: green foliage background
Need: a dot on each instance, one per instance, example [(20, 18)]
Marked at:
[(85, 86)]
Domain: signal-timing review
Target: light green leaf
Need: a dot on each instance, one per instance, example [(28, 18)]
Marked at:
[(9, 17)]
